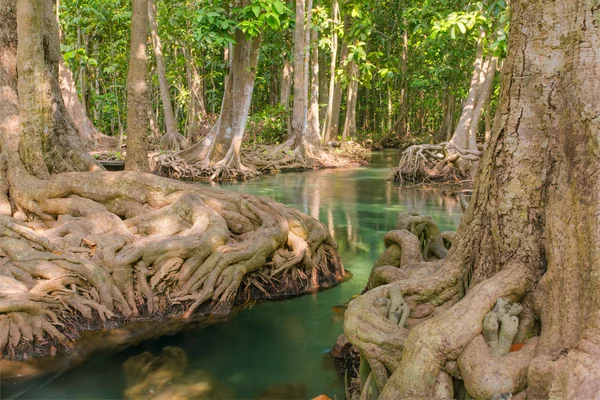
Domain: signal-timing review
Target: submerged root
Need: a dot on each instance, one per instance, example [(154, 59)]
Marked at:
[(106, 245)]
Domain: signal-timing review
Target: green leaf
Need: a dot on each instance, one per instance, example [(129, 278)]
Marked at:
[(256, 10), (462, 27)]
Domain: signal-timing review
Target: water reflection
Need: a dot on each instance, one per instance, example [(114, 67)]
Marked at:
[(283, 345)]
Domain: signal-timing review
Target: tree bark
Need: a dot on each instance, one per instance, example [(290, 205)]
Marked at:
[(529, 234), (300, 95), (137, 91), (336, 101), (286, 83), (173, 139)]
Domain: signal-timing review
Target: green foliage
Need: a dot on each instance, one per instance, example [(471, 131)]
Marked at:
[(269, 125)]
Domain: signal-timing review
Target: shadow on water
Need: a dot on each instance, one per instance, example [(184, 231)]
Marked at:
[(284, 344)]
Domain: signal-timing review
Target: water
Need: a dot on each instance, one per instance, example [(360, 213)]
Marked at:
[(285, 342)]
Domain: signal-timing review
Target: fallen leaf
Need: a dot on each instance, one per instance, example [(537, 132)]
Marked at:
[(516, 347)]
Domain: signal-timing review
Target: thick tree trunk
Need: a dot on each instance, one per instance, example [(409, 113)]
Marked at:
[(172, 139), (49, 142), (137, 91), (529, 235)]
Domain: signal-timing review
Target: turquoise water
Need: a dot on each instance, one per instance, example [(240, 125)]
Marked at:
[(284, 342)]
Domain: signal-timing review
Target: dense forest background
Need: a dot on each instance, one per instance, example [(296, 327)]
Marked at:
[(411, 63)]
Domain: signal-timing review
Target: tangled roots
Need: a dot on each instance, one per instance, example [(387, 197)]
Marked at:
[(415, 333), (428, 163), (100, 246), (260, 160)]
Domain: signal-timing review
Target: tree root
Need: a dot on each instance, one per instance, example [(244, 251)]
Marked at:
[(259, 160), (105, 245), (442, 162), (174, 141)]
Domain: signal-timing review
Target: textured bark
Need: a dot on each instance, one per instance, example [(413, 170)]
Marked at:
[(137, 91), (196, 105), (336, 101), (530, 232), (286, 83), (49, 142)]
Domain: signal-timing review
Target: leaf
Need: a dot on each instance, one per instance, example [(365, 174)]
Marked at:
[(462, 27), (256, 10)]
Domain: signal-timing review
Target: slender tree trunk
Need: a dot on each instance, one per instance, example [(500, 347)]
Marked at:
[(332, 69), (137, 91), (286, 83), (350, 123), (488, 74), (196, 105), (313, 112), (460, 138), (173, 140), (300, 95), (336, 101)]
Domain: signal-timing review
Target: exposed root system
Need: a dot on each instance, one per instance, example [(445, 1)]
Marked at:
[(415, 334), (430, 163), (260, 160), (119, 246)]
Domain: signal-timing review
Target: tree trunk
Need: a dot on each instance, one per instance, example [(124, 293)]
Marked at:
[(334, 49), (137, 91), (90, 136), (286, 83), (529, 236), (336, 101), (350, 124), (172, 139), (47, 133), (222, 147), (300, 95), (313, 112), (196, 105), (460, 139)]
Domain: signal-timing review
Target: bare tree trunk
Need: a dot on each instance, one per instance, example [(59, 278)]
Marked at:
[(460, 138), (488, 73), (334, 49), (313, 112), (196, 105), (350, 123), (173, 139), (222, 147), (46, 127), (300, 95), (336, 101), (286, 83), (137, 91)]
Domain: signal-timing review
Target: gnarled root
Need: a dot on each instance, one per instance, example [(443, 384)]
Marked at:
[(174, 141), (435, 163), (102, 245), (431, 344), (258, 160)]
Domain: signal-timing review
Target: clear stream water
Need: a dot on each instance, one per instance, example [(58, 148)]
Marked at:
[(284, 342)]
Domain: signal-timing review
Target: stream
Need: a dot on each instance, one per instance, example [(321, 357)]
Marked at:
[(285, 342)]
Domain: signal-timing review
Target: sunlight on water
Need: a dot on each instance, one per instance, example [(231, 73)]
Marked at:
[(286, 342)]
